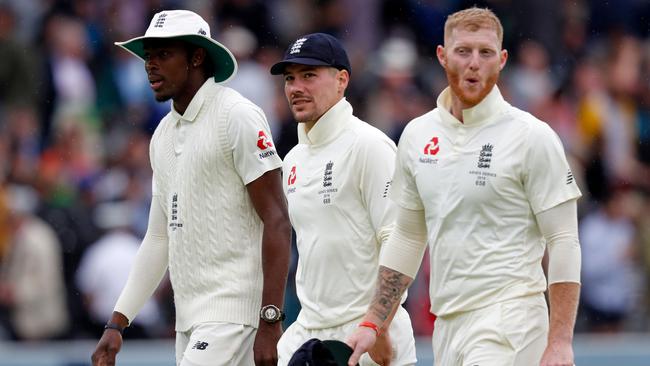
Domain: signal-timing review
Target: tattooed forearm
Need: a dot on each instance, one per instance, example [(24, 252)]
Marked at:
[(390, 287)]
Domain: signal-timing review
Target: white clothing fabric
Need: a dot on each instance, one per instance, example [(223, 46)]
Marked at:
[(102, 274), (149, 265), (508, 333), (405, 248), (481, 183), (559, 226), (337, 181), (202, 161), (401, 335), (216, 344)]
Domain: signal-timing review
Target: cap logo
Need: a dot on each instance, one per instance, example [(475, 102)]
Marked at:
[(160, 21), (202, 32), (297, 45)]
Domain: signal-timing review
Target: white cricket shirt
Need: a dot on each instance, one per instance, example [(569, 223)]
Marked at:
[(336, 181), (481, 183)]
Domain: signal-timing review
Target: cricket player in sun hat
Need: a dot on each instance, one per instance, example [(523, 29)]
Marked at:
[(218, 218), (337, 182), (489, 188)]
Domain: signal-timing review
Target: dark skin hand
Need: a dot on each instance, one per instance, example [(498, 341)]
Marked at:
[(110, 343), (271, 206)]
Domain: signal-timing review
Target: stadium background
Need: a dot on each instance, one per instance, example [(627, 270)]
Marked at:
[(76, 114)]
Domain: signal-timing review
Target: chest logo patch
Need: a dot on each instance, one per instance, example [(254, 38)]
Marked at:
[(484, 161), (328, 190), (174, 222), (485, 156), (327, 176), (292, 176), (432, 147)]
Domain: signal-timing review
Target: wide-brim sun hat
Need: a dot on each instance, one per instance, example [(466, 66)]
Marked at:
[(186, 26)]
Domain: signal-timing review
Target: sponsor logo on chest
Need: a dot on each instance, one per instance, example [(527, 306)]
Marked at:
[(291, 180), (431, 148)]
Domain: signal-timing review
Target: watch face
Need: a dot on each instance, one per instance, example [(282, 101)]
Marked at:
[(270, 313)]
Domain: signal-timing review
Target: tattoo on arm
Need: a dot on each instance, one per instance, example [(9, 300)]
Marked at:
[(390, 287)]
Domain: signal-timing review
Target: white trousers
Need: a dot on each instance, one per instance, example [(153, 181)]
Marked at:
[(216, 344), (509, 333)]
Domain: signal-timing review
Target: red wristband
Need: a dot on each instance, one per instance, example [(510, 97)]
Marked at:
[(370, 325)]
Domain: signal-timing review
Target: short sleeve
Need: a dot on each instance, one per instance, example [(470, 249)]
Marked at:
[(548, 179), (404, 191), (377, 169), (251, 142)]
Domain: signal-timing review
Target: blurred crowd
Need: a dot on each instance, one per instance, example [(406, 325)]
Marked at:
[(76, 115)]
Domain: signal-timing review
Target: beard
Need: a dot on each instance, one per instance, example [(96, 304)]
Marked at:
[(470, 98)]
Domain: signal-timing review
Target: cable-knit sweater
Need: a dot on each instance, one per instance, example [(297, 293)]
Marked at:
[(202, 162)]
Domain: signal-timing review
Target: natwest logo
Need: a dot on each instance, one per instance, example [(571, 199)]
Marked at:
[(263, 141), (292, 176), (432, 147)]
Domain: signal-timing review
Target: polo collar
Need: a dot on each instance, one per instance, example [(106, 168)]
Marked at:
[(490, 106), (328, 126), (195, 104)]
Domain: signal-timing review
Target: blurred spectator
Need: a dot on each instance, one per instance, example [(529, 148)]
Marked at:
[(23, 133), (608, 112), (251, 14), (253, 79), (17, 70), (395, 96), (104, 269), (69, 83), (529, 80), (31, 276), (610, 263)]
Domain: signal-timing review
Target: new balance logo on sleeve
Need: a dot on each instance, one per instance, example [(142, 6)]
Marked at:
[(200, 345)]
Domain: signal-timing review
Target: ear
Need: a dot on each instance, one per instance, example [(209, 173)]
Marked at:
[(343, 79), (198, 57), (504, 58), (442, 57)]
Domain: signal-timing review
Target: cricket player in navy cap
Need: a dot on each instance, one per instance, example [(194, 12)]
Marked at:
[(337, 182)]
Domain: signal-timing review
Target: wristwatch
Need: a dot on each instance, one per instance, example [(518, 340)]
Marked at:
[(271, 314)]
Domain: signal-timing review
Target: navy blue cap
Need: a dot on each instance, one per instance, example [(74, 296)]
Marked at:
[(316, 49), (321, 353)]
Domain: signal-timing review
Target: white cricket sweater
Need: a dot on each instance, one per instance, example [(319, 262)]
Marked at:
[(202, 162)]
